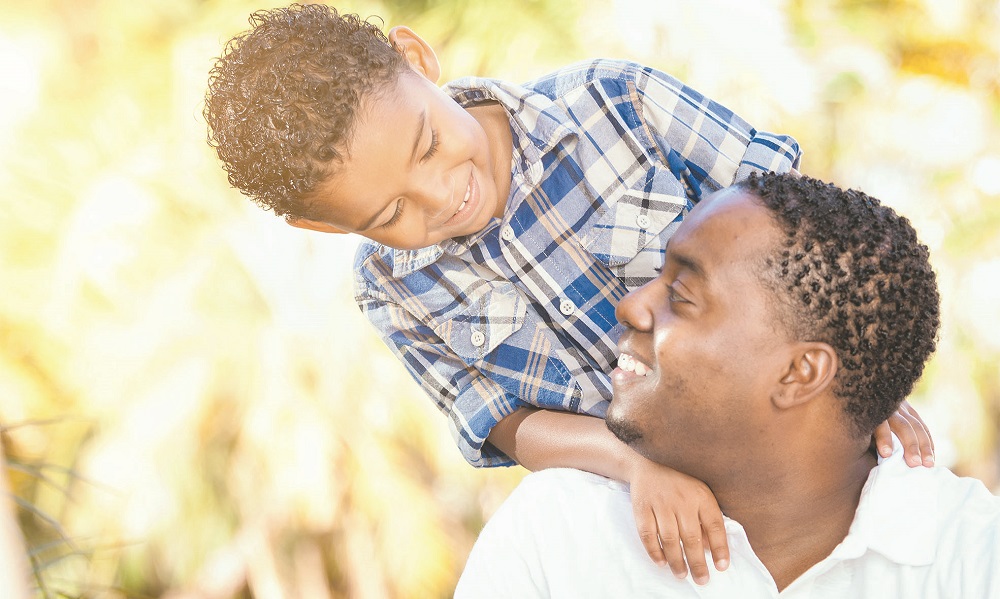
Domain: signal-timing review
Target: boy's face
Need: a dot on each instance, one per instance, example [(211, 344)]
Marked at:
[(419, 169)]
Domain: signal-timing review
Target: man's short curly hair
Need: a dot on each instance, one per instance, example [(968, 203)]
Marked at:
[(851, 273), (283, 98)]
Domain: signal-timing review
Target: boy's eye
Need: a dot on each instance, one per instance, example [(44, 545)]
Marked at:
[(434, 146), (395, 215)]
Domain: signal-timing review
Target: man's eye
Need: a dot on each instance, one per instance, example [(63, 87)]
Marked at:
[(673, 296)]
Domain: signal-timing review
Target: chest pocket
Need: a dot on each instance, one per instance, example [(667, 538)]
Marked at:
[(629, 234), (478, 326)]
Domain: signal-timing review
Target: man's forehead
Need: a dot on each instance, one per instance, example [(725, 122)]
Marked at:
[(726, 226)]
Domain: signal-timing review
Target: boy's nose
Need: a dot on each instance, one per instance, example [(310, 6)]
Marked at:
[(436, 195)]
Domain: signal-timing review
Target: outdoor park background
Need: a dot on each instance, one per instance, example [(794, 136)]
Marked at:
[(192, 406)]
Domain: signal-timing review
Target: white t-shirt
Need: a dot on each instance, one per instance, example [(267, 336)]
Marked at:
[(917, 532)]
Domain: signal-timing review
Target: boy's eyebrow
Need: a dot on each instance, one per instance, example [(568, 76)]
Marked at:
[(420, 133)]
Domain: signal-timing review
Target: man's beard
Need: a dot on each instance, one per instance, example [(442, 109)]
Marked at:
[(626, 432)]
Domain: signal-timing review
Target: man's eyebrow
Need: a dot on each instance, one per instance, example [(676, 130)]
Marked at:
[(686, 261), (420, 133)]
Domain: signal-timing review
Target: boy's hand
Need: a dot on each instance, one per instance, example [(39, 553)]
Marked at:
[(913, 434), (677, 515)]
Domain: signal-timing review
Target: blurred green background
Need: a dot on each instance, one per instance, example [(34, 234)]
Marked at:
[(191, 404)]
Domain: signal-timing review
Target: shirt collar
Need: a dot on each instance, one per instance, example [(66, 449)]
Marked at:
[(896, 515), (538, 125)]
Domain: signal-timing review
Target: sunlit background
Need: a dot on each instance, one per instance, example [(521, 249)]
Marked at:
[(192, 405)]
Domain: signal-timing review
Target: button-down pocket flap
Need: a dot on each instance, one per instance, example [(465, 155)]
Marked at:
[(483, 325), (636, 218)]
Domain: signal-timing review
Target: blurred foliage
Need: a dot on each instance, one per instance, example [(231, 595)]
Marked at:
[(191, 404)]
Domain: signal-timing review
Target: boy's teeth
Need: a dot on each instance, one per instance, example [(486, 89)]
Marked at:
[(465, 200)]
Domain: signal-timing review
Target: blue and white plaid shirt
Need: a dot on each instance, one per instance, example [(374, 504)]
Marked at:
[(608, 158)]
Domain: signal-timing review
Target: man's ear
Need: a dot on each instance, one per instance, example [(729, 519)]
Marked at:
[(810, 372), (417, 52), (313, 225)]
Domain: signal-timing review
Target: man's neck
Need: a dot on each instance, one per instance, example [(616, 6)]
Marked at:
[(794, 519)]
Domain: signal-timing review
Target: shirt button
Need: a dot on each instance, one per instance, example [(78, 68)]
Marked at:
[(507, 233), (478, 338), (567, 307), (643, 221)]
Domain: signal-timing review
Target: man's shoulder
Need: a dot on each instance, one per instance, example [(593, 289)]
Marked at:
[(928, 515), (967, 507), (560, 498), (566, 484)]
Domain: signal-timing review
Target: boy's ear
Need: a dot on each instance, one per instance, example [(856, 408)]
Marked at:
[(810, 373), (313, 225), (417, 52)]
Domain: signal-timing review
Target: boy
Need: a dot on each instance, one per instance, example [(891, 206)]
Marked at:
[(506, 222)]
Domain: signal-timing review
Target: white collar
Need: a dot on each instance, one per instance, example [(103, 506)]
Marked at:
[(897, 515)]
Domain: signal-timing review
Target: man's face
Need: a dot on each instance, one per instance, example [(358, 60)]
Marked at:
[(419, 170), (701, 351)]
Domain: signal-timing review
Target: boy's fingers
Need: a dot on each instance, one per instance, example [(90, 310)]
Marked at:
[(923, 432), (715, 538), (645, 521), (912, 436), (883, 439), (690, 533), (671, 542)]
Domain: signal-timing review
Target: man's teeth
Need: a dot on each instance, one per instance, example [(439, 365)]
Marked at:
[(630, 364)]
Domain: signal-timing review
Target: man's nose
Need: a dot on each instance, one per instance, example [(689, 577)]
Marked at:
[(635, 310)]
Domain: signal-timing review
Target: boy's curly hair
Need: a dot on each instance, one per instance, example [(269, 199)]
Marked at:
[(852, 273), (282, 99)]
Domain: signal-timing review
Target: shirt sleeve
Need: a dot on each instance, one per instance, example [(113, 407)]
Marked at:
[(704, 143), (472, 402)]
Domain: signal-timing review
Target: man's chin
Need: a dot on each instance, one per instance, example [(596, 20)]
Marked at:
[(626, 431)]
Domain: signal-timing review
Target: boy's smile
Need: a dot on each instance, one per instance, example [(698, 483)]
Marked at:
[(419, 168)]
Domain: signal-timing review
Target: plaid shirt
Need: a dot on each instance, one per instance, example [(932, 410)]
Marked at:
[(608, 158)]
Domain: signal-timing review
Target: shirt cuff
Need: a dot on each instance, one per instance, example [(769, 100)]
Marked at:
[(471, 430), (769, 152)]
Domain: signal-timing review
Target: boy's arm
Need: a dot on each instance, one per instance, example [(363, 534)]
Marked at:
[(670, 508), (702, 141), (472, 402)]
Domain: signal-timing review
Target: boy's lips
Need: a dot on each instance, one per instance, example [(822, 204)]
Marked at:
[(470, 201)]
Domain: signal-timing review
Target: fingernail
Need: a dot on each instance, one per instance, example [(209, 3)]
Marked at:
[(886, 451), (722, 564), (915, 460), (929, 461), (661, 562), (701, 580), (680, 575)]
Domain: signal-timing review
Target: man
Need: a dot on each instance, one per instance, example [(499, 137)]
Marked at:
[(796, 317)]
